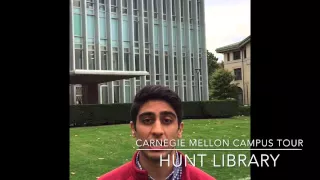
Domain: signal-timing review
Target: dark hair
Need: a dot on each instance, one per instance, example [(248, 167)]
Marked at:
[(156, 92)]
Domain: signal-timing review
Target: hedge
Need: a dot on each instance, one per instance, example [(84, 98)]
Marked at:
[(107, 114), (244, 110)]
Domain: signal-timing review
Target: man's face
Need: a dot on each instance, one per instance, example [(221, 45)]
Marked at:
[(156, 120)]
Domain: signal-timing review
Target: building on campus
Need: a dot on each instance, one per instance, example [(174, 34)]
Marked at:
[(237, 59), (119, 46)]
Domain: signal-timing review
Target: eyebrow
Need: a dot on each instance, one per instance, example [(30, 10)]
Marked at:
[(163, 113), (146, 114), (168, 113)]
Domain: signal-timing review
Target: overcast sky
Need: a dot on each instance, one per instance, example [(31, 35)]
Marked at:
[(227, 22)]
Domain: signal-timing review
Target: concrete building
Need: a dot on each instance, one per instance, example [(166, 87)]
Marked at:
[(237, 59), (119, 46)]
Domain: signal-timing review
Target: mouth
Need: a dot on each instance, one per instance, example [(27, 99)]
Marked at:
[(157, 147)]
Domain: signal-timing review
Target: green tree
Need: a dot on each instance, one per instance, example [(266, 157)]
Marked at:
[(222, 88), (212, 63), (221, 64)]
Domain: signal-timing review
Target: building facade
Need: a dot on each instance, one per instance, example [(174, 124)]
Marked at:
[(163, 37), (237, 59)]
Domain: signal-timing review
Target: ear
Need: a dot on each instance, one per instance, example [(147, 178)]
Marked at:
[(180, 130), (133, 131)]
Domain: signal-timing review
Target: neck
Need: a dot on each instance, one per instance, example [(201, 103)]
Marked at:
[(153, 166)]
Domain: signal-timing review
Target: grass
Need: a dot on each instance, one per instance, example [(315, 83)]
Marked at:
[(97, 150)]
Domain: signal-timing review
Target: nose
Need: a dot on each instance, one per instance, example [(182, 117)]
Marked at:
[(157, 129)]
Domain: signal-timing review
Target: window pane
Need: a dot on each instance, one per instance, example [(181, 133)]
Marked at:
[(157, 64), (145, 5), (155, 6), (147, 62), (124, 3), (135, 4), (192, 66), (104, 94), (174, 36), (128, 94), (137, 62), (126, 61), (190, 9), (79, 58), (114, 26), (125, 32), (90, 27), (115, 61), (92, 63), (136, 31), (103, 32), (104, 62), (165, 35), (166, 65), (116, 94), (77, 24), (173, 7), (175, 66), (146, 32), (184, 65), (156, 34)]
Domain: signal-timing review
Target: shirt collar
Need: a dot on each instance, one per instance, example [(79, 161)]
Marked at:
[(174, 175)]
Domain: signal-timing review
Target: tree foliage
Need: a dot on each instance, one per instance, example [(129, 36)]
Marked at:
[(222, 86), (212, 63)]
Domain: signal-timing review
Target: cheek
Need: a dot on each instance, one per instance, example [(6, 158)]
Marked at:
[(143, 131), (172, 133)]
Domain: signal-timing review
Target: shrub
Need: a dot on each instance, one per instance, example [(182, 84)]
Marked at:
[(244, 110), (107, 114)]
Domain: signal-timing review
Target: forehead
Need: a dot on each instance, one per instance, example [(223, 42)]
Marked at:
[(156, 106)]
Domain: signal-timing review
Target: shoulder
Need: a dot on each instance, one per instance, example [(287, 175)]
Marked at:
[(120, 172), (196, 173)]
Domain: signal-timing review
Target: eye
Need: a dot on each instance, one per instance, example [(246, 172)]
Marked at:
[(167, 120), (147, 121)]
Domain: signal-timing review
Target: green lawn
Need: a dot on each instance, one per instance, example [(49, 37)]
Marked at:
[(97, 150)]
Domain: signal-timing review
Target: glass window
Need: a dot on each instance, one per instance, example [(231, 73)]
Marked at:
[(128, 94), (145, 5), (114, 26), (90, 27), (103, 26), (125, 3), (79, 58), (125, 32), (166, 64), (136, 31), (156, 34), (104, 60), (126, 62), (146, 32), (104, 94), (175, 65), (115, 61), (137, 62), (77, 24), (92, 63), (116, 94)]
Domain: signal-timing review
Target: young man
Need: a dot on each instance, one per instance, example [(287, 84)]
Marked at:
[(156, 116)]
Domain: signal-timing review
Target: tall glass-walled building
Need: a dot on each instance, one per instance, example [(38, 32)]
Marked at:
[(163, 37)]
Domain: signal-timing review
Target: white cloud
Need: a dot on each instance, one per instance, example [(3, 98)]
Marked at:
[(226, 23)]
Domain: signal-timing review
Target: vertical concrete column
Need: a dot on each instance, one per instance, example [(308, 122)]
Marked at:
[(151, 40), (179, 51)]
